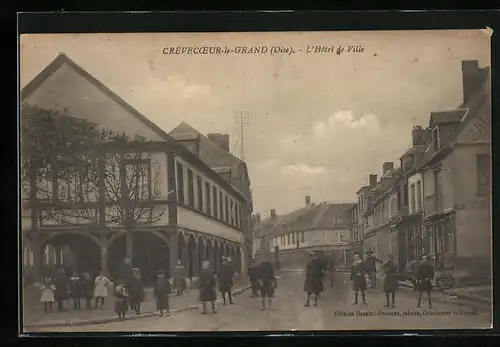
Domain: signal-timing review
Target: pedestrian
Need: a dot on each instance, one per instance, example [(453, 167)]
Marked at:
[(100, 289), (207, 287), (75, 289), (424, 276), (225, 277), (121, 296), (411, 270), (162, 290), (61, 291), (87, 288), (371, 268), (136, 292), (47, 298), (267, 282), (391, 281), (313, 284), (358, 279), (179, 278), (252, 276)]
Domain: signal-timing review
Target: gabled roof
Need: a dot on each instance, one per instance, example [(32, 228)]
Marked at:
[(62, 59), (444, 117), (320, 216), (211, 153)]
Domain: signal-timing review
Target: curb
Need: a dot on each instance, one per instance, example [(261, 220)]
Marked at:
[(95, 321)]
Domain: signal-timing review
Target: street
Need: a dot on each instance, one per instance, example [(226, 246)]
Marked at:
[(335, 312)]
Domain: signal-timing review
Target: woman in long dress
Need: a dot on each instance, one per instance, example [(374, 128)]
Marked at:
[(391, 280), (207, 287), (136, 292), (100, 289), (47, 298), (161, 291), (313, 284), (179, 278)]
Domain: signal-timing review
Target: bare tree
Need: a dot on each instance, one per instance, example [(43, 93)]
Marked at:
[(82, 171)]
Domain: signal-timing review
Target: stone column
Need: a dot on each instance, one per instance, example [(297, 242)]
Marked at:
[(195, 260), (37, 256), (104, 259)]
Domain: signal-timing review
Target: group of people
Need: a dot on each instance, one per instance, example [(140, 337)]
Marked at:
[(421, 276), (76, 288), (263, 280)]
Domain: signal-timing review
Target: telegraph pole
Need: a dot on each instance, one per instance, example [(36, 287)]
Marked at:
[(241, 119)]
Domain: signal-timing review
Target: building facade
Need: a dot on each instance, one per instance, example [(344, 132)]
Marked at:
[(186, 211)]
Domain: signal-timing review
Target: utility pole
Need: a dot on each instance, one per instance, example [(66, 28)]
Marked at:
[(241, 119)]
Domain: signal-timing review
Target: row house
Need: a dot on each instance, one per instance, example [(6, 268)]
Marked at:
[(316, 227), (355, 234), (379, 236), (178, 208)]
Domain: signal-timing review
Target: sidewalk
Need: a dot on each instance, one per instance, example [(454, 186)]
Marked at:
[(481, 294), (34, 316)]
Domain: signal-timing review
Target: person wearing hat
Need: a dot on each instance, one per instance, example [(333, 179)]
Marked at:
[(267, 281), (136, 291), (162, 290), (207, 287), (313, 284), (225, 277), (358, 271)]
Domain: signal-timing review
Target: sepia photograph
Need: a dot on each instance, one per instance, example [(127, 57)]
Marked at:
[(255, 182)]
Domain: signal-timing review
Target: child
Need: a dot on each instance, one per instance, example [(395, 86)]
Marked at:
[(100, 290), (162, 289), (121, 300), (47, 294)]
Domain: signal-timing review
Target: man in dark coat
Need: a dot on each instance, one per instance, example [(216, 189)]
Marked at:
[(87, 287), (391, 281), (161, 290), (371, 267), (225, 277), (136, 292), (267, 282), (207, 287), (252, 276), (313, 284), (358, 271), (61, 292), (424, 276)]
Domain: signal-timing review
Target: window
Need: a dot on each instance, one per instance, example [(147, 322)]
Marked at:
[(199, 186), (412, 197), (190, 188), (293, 238), (137, 179), (226, 205), (208, 199), (221, 205), (237, 216), (419, 196), (483, 174), (341, 237), (231, 212), (288, 239), (180, 183), (216, 204)]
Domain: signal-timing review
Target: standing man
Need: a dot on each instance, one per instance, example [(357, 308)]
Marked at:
[(371, 268), (179, 278), (252, 275), (75, 289), (313, 284), (225, 281), (61, 292), (391, 281), (266, 281), (136, 292), (358, 279)]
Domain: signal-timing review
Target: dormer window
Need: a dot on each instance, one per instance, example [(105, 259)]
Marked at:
[(435, 139)]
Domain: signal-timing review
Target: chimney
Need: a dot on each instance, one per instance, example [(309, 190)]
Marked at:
[(373, 180), (221, 139), (387, 166), (472, 76), (308, 200), (273, 213)]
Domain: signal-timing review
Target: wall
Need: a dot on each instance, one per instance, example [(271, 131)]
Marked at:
[(66, 89), (316, 237), (191, 220)]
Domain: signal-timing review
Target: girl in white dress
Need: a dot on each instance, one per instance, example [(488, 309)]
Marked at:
[(100, 289), (47, 294)]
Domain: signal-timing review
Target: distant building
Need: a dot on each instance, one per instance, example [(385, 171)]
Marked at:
[(356, 235), (315, 227)]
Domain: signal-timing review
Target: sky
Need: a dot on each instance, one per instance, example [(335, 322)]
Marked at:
[(319, 123)]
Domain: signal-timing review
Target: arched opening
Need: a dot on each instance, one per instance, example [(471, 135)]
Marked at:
[(71, 251), (217, 256), (182, 249), (150, 253), (201, 252), (192, 255)]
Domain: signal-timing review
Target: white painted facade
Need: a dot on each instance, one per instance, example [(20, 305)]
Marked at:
[(312, 238), (416, 193)]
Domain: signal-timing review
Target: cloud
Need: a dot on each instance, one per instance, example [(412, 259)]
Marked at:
[(179, 86), (302, 168)]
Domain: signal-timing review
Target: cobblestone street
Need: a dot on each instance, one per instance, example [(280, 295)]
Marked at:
[(335, 312)]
